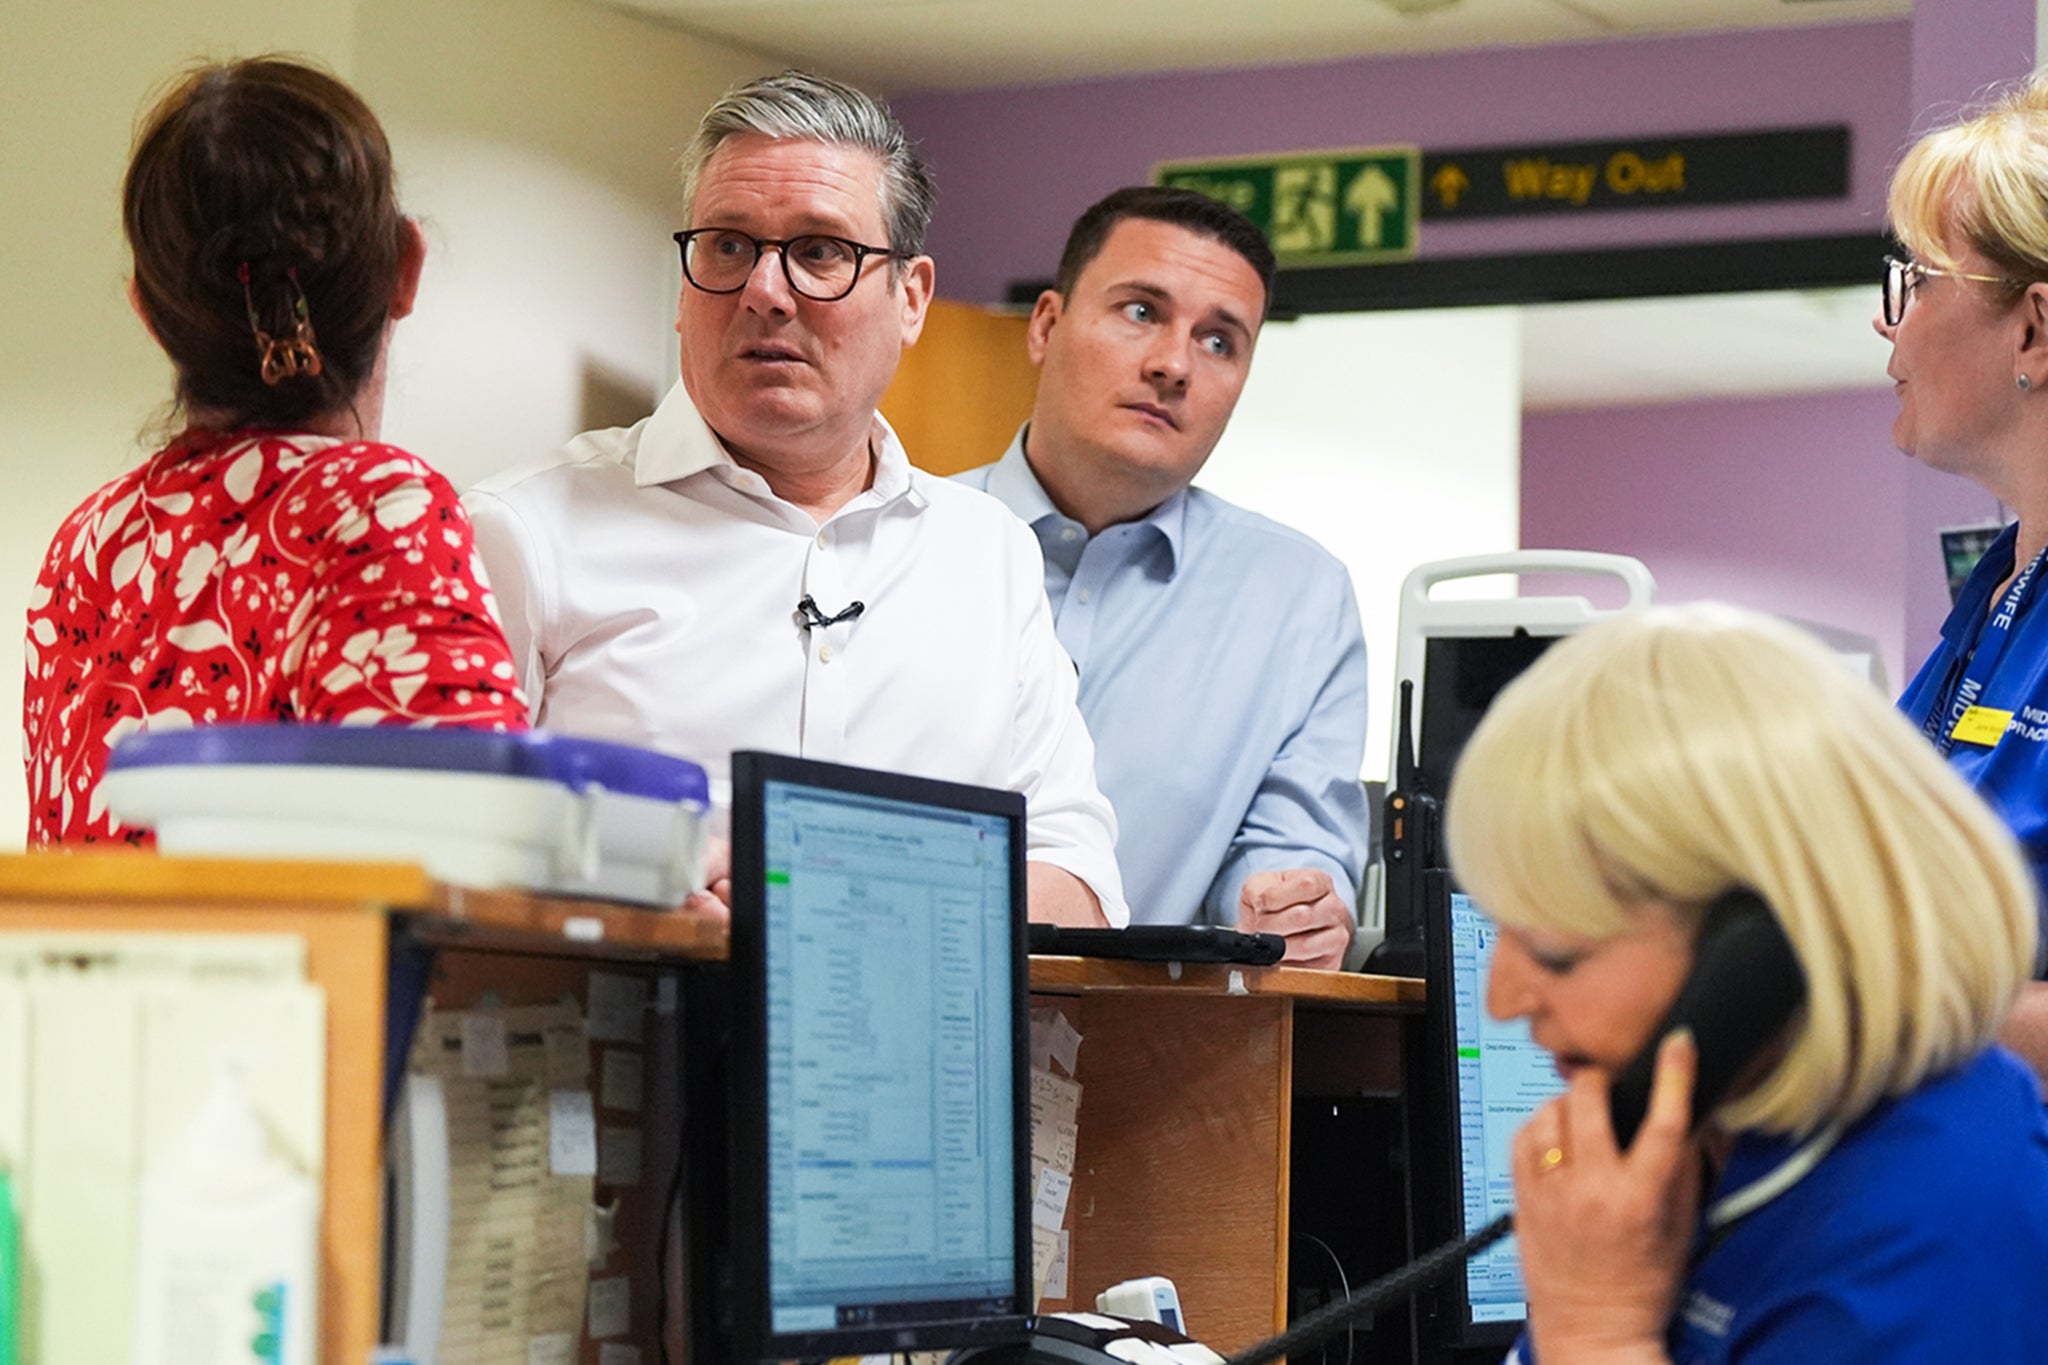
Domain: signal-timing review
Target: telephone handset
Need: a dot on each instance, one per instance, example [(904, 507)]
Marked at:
[(1745, 986)]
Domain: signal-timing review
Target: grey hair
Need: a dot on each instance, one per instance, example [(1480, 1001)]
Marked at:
[(797, 104)]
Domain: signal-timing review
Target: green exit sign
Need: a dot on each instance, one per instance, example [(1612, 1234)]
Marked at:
[(1318, 208)]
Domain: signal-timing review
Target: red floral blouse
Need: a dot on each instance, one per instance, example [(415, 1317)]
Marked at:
[(253, 576)]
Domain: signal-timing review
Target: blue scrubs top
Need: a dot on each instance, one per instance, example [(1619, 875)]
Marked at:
[(1982, 697), (1919, 1236)]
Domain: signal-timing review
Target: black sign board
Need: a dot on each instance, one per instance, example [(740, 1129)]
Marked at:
[(1630, 173)]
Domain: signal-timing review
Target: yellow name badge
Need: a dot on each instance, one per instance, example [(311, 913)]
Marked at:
[(1981, 725)]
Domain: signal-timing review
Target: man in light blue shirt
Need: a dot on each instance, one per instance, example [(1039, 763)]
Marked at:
[(1221, 660)]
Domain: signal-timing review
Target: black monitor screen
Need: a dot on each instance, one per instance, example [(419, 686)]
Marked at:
[(881, 1127), (1476, 1080), (1460, 678)]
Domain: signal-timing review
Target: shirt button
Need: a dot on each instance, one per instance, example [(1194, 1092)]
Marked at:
[(824, 654), (824, 540), (1084, 595), (1068, 533)]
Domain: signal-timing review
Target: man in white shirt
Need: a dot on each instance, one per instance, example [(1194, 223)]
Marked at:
[(757, 565)]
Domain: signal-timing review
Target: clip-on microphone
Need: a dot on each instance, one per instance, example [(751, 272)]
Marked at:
[(808, 615)]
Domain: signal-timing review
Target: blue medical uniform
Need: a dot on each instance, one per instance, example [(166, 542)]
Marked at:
[(1919, 1236), (1995, 662)]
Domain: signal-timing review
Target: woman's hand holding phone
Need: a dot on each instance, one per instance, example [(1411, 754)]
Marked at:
[(1605, 1232)]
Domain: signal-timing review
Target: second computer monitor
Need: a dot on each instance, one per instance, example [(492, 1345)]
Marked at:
[(880, 1085)]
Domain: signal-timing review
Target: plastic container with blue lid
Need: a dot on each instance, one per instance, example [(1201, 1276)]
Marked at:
[(531, 811)]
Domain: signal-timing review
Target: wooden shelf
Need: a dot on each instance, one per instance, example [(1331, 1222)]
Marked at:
[(1076, 975), (138, 880), (514, 921), (130, 881)]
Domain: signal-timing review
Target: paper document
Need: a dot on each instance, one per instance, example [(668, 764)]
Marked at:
[(517, 1273)]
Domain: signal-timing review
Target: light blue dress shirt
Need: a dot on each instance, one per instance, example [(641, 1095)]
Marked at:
[(1223, 679)]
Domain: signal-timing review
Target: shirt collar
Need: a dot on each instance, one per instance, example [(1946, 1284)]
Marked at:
[(677, 443), (1014, 481), (1763, 1166)]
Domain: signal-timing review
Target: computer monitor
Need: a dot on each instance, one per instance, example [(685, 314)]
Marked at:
[(1461, 675), (1485, 1080), (1473, 1081), (879, 1083), (1961, 548)]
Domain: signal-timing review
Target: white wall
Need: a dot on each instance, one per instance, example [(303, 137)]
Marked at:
[(537, 140), (1393, 439), (536, 136)]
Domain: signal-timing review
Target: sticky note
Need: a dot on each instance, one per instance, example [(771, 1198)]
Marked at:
[(484, 1053), (611, 1307), (1066, 1043), (567, 1050), (551, 1348), (1056, 1278), (572, 1133), (1049, 1200), (1981, 725), (618, 1156), (1054, 1099), (619, 1086), (617, 1006)]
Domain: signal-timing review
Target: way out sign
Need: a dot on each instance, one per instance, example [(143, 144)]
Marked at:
[(1318, 208)]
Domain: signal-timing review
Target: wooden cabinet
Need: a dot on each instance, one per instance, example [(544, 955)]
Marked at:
[(347, 915), (964, 389), (1185, 1163)]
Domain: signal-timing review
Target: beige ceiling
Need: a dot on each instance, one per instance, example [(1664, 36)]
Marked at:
[(900, 45)]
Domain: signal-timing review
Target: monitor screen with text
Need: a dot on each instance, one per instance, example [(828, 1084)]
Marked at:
[(1503, 1078), (892, 1092)]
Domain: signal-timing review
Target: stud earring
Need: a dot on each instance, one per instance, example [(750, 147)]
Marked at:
[(2023, 383)]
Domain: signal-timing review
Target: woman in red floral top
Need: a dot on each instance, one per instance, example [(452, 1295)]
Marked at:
[(274, 561)]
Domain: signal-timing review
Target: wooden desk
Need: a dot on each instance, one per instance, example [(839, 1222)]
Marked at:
[(1184, 1160), (1184, 1167)]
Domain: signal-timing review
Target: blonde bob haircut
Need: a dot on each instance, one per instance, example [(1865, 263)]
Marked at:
[(1671, 755), (1982, 182)]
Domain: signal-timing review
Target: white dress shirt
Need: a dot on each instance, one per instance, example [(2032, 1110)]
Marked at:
[(649, 587)]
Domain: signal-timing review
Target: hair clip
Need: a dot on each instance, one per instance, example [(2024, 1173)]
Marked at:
[(283, 357)]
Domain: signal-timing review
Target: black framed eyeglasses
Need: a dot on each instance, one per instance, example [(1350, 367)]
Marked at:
[(721, 260), (1900, 278)]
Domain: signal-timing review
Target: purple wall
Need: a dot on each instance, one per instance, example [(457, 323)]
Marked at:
[(1799, 505), (1016, 165), (1768, 502), (1960, 49)]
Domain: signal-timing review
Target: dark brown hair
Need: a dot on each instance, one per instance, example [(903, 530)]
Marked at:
[(273, 164), (1198, 213)]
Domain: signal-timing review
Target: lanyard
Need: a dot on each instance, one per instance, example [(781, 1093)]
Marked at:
[(1972, 669)]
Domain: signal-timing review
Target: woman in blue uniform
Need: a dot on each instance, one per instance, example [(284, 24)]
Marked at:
[(1966, 311), (1874, 1184)]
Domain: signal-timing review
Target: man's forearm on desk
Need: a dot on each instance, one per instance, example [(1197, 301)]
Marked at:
[(1057, 896)]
